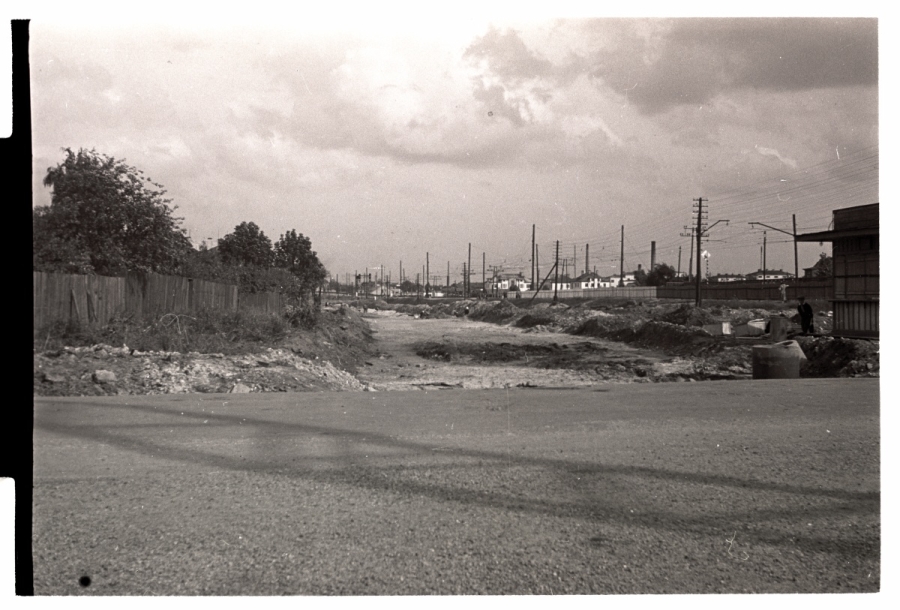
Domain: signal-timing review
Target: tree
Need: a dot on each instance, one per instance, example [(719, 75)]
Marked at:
[(247, 245), (105, 217), (823, 266), (294, 252), (660, 275)]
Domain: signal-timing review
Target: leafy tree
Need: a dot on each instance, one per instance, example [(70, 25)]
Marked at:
[(823, 267), (294, 252), (660, 275), (105, 217), (247, 245)]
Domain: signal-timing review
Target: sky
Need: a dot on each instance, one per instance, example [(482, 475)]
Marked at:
[(387, 140)]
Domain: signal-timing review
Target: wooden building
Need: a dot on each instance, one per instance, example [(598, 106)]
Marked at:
[(855, 269)]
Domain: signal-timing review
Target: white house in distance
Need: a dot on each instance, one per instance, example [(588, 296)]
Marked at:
[(588, 280), (727, 277), (769, 274), (506, 281)]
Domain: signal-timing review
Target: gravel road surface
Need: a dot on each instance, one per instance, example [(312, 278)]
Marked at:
[(400, 368), (718, 487)]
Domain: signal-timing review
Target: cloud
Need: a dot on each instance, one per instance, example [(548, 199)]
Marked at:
[(774, 153), (690, 61)]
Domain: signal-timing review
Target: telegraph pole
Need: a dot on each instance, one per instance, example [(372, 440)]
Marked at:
[(622, 259), (764, 256), (469, 270), (699, 239), (537, 266), (793, 235), (556, 281), (691, 257), (574, 260), (448, 275), (587, 260), (533, 257), (652, 255), (483, 263), (427, 272), (678, 273), (796, 267)]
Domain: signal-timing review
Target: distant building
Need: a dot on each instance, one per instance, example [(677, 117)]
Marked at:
[(590, 280), (769, 274), (855, 258), (509, 281), (726, 277)]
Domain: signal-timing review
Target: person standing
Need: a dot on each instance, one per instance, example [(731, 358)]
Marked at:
[(783, 288), (806, 315)]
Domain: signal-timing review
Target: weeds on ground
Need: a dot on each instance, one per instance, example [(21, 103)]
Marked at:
[(206, 331)]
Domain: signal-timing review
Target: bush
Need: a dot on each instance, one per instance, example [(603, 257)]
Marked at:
[(206, 331)]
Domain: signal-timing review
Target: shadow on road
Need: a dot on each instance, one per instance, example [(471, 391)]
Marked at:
[(604, 506)]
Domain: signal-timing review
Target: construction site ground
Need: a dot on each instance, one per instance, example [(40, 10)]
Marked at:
[(373, 345)]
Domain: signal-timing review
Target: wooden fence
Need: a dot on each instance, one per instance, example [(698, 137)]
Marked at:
[(749, 291), (628, 292), (262, 302), (94, 299)]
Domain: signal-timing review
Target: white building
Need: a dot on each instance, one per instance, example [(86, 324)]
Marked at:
[(769, 275)]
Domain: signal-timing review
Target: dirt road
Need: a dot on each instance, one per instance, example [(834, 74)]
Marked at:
[(747, 486), (461, 353)]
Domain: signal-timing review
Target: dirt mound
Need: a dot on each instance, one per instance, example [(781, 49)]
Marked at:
[(532, 320), (601, 326), (500, 312), (687, 315), (673, 338), (839, 357)]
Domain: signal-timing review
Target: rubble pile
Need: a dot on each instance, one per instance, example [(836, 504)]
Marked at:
[(106, 370)]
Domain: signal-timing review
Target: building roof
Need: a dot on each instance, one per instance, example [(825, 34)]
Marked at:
[(586, 277), (770, 272), (857, 221)]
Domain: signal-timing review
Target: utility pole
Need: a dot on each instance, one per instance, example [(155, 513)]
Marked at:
[(483, 268), (652, 255), (793, 235), (533, 255), (367, 282), (537, 266), (622, 260), (465, 290), (574, 260), (417, 287), (691, 257), (699, 201), (448, 275), (556, 281), (424, 282), (470, 270), (678, 273), (764, 256), (427, 273), (796, 267), (587, 260)]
